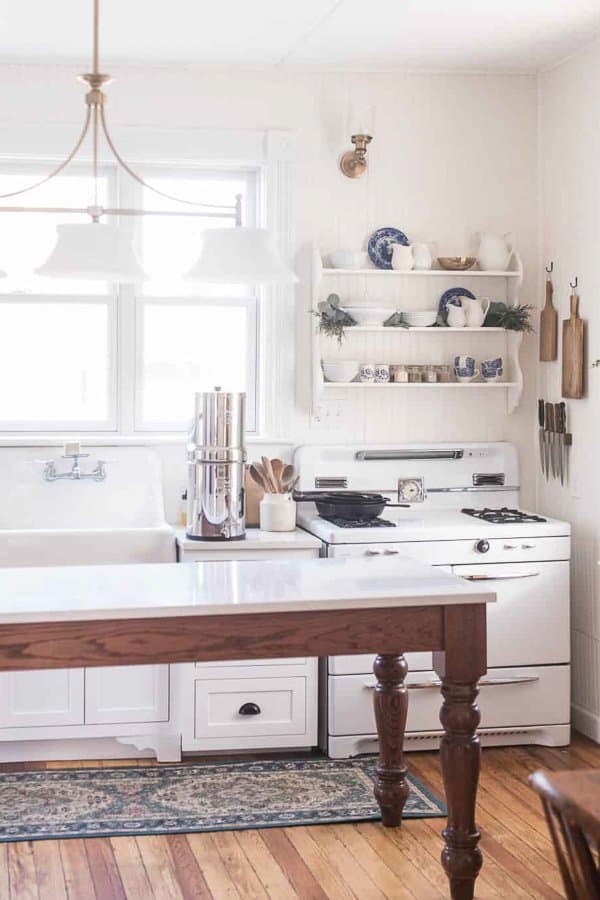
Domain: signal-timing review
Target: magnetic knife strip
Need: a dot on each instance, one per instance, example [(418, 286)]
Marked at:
[(554, 440)]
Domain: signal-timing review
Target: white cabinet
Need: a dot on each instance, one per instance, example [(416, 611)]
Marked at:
[(126, 694), (248, 704), (47, 698)]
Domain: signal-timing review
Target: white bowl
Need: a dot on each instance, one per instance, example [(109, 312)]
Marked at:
[(369, 315), (340, 370), (349, 259), (420, 318)]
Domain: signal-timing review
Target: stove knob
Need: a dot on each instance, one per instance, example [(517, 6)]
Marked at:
[(482, 546)]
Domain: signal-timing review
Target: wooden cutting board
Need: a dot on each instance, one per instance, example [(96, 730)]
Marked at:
[(572, 353), (254, 495), (548, 328)]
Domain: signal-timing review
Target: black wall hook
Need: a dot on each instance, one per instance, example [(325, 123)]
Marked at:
[(551, 269), (574, 283)]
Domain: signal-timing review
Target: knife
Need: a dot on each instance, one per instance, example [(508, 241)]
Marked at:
[(548, 428), (541, 435), (560, 416)]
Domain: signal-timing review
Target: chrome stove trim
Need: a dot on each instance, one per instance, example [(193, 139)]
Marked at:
[(408, 454)]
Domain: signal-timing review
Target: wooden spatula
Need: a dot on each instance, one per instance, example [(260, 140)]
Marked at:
[(573, 352), (548, 327)]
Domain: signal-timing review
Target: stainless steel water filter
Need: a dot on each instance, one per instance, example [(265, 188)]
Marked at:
[(216, 468)]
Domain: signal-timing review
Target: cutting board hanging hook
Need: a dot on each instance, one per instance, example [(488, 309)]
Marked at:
[(574, 284), (550, 268)]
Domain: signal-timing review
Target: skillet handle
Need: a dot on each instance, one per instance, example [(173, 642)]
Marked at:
[(401, 505)]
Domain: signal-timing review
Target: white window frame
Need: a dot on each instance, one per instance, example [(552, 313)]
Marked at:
[(270, 152)]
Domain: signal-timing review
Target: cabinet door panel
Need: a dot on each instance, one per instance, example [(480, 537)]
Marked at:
[(122, 694), (41, 698)]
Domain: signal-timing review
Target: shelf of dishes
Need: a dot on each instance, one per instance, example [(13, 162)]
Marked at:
[(424, 273), (464, 370), (427, 329), (334, 385)]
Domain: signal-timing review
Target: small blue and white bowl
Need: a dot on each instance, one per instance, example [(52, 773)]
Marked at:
[(492, 369)]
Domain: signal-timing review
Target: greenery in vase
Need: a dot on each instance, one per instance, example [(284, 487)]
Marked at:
[(332, 319), (513, 318)]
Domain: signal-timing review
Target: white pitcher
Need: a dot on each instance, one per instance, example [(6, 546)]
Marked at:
[(422, 256), (494, 252), (402, 258), (475, 311)]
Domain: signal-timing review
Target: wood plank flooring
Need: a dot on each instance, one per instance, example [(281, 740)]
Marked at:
[(342, 862)]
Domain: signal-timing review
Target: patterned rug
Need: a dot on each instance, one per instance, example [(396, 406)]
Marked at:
[(64, 803)]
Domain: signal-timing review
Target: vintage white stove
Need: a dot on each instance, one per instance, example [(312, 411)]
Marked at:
[(464, 515)]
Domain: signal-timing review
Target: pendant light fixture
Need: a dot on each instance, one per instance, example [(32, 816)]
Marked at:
[(99, 251)]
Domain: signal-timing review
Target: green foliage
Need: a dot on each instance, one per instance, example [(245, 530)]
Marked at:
[(513, 318)]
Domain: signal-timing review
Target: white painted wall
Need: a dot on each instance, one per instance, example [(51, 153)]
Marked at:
[(570, 182), (452, 154)]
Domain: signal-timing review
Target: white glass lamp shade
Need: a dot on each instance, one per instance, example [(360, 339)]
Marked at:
[(93, 252), (240, 256)]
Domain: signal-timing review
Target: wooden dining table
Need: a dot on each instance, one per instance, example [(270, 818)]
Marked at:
[(168, 613)]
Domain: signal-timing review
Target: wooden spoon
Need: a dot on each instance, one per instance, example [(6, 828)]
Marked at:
[(266, 464), (287, 477), (278, 466), (257, 476)]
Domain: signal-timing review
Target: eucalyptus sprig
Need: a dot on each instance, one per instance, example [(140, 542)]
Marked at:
[(332, 319), (513, 318)]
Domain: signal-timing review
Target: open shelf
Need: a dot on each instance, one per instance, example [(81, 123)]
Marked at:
[(391, 385), (430, 329), (425, 273)]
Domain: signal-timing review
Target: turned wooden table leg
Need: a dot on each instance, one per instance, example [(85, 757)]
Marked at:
[(391, 706), (460, 666)]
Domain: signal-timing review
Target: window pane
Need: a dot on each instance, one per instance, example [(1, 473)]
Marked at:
[(187, 348), (54, 362), (27, 239), (170, 245)]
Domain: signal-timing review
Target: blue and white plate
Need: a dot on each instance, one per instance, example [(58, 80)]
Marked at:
[(381, 245), (452, 298)]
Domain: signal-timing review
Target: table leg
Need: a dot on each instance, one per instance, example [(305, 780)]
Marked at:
[(460, 666), (391, 705)]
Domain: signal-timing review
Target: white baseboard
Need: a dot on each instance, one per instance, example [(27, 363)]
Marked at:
[(83, 748), (586, 722)]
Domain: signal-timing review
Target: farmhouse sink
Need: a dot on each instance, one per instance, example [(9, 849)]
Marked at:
[(85, 522)]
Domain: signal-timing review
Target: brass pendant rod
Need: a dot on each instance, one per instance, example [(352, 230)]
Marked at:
[(96, 51), (59, 168), (116, 211)]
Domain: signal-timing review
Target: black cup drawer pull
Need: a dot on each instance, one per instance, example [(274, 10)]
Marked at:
[(249, 709)]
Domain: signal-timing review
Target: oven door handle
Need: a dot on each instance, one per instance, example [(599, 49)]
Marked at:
[(489, 681), (507, 577)]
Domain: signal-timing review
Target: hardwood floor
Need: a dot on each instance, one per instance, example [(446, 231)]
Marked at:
[(341, 862)]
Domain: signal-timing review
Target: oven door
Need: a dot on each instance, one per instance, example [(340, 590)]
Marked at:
[(529, 623)]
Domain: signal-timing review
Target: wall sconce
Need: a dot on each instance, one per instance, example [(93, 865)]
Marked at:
[(354, 162)]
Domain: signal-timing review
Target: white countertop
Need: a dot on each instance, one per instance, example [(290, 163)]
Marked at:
[(174, 589), (255, 540)]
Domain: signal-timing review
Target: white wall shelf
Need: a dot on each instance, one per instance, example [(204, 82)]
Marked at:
[(395, 293), (392, 385), (426, 273)]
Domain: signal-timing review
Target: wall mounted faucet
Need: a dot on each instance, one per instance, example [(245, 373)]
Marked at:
[(73, 452)]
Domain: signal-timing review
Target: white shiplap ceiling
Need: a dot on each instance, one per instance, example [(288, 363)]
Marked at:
[(488, 35)]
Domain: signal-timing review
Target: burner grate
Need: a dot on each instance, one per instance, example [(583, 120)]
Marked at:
[(359, 523), (503, 515)]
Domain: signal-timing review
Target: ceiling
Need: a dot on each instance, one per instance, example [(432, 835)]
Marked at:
[(507, 36)]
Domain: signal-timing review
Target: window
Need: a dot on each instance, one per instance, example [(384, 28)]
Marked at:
[(97, 357)]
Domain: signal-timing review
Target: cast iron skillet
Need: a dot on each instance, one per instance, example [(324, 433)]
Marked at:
[(349, 505)]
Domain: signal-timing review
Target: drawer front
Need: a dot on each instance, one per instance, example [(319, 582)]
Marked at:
[(529, 622), (245, 663), (445, 552), (508, 697), (208, 555), (362, 663), (251, 707)]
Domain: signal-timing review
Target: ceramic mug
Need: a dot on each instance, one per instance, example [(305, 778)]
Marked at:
[(382, 373), (492, 369), (367, 372), (465, 374), (456, 316), (466, 365)]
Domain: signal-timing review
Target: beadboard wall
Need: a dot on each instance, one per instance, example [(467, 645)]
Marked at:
[(452, 154), (570, 181)]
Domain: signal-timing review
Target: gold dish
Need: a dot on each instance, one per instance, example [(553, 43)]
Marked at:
[(456, 263)]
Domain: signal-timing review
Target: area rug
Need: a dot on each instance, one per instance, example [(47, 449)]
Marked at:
[(65, 803)]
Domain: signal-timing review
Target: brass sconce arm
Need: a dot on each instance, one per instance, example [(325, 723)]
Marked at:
[(354, 162)]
